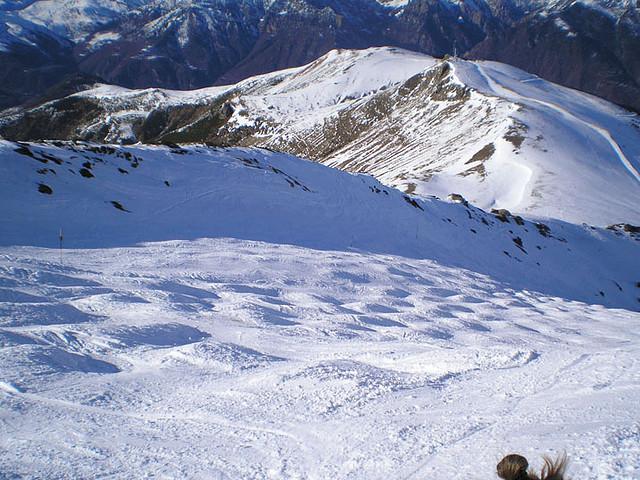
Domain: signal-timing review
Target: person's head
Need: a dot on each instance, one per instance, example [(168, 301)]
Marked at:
[(513, 467)]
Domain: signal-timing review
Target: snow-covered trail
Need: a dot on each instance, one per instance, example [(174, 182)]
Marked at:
[(226, 358), (504, 91)]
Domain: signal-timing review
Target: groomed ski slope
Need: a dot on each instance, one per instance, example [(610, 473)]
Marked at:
[(247, 315)]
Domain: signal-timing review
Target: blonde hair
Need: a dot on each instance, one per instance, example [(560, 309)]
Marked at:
[(514, 467)]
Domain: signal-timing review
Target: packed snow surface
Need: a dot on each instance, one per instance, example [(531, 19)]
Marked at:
[(243, 314)]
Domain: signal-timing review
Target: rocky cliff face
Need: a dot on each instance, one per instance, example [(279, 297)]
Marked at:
[(187, 46), (183, 45)]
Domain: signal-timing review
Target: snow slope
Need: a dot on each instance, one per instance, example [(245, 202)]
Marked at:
[(106, 196), (500, 137), (591, 146), (285, 320), (75, 19)]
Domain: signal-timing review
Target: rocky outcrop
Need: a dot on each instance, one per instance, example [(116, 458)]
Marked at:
[(67, 117)]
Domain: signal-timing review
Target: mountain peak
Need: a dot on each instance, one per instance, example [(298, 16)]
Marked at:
[(501, 137)]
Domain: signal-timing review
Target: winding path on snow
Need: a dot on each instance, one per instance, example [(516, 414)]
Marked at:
[(494, 87)]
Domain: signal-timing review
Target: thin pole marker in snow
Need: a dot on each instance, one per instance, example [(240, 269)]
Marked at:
[(61, 245)]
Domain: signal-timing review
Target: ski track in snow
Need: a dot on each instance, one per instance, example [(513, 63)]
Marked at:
[(243, 359), (495, 88)]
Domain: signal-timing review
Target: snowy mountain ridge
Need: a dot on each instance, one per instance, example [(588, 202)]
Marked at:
[(77, 19), (500, 137)]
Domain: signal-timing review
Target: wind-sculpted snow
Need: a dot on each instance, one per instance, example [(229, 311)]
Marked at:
[(455, 370)]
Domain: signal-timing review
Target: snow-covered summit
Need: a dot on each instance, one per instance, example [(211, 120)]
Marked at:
[(76, 19)]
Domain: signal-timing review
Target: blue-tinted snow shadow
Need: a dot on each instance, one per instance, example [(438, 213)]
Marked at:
[(16, 315), (61, 361), (380, 321), (160, 335), (273, 316), (545, 263), (13, 339)]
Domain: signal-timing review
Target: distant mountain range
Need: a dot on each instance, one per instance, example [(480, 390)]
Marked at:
[(590, 45), (496, 135)]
